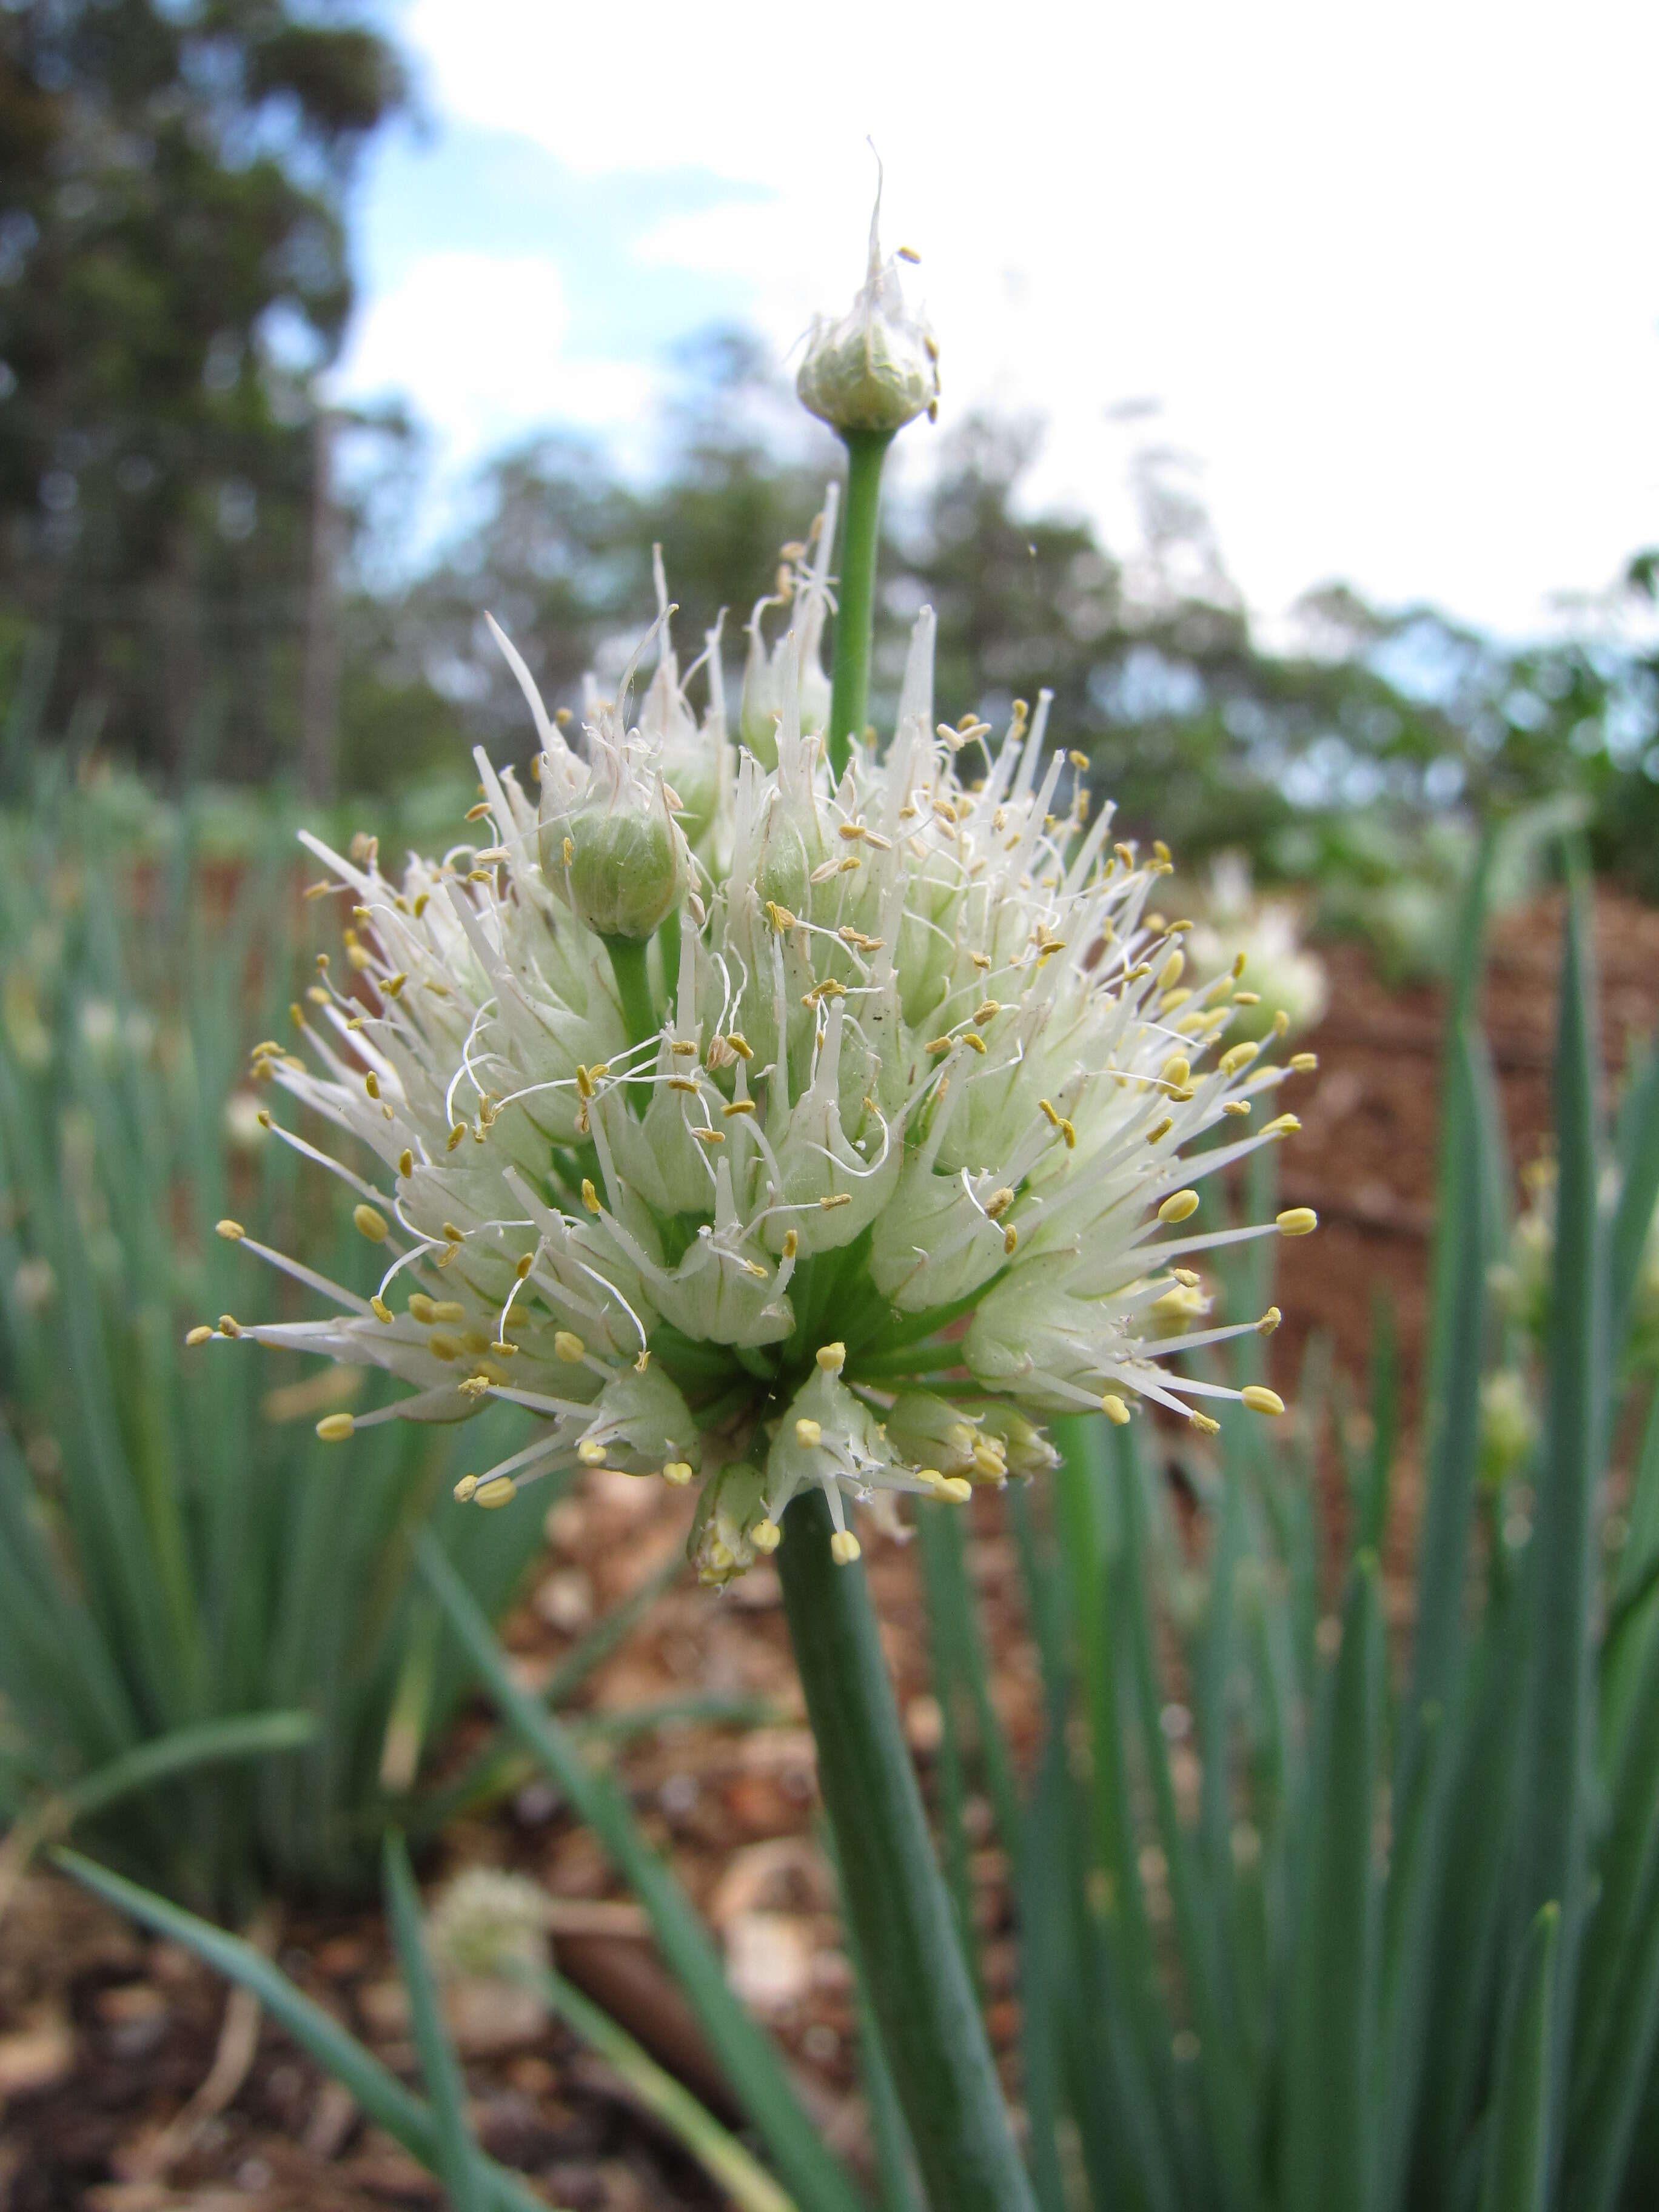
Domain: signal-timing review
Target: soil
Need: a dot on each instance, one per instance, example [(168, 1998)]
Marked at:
[(106, 2037)]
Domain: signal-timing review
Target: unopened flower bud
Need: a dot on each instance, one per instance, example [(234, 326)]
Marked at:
[(730, 1510), (624, 862), (874, 369)]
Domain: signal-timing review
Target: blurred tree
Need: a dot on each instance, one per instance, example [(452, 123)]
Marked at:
[(172, 274)]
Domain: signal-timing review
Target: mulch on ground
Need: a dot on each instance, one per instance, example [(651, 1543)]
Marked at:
[(108, 2040)]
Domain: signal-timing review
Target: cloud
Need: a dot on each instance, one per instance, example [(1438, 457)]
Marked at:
[(1387, 272)]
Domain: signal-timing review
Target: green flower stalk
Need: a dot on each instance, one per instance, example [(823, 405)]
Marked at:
[(867, 374)]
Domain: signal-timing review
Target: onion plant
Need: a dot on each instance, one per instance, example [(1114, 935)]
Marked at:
[(185, 1578)]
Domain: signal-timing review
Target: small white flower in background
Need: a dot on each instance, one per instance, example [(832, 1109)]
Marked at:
[(1509, 1427), (1280, 974), (485, 1922), (1521, 1280)]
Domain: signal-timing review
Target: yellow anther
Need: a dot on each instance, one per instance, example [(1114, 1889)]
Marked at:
[(379, 1309), (1247, 998), (394, 984), (317, 890), (851, 830), (422, 900), (590, 1196), (840, 1198), (684, 1047), (1238, 966), (478, 813), (569, 851), (709, 1136), (1046, 1109), (1115, 1409), (939, 1045), (974, 1041), (1238, 1108), (1126, 854), (443, 1347), (199, 1334), (448, 1309), (987, 1013), (780, 917), (421, 1308), (808, 1433), (1204, 1424), (1179, 1206), (982, 961), (335, 1428), (1067, 1130), (832, 1358), (590, 1452), (1172, 970), (405, 1161), (1177, 1070), (1269, 1322), (998, 1203), (372, 1084), (1296, 1221), (455, 1136), (1171, 999), (1160, 1129), (232, 1232), (990, 1458), (523, 1264), (229, 1326), (500, 1490), (1284, 1125), (738, 1106), (765, 1535), (844, 1547), (568, 1346), (584, 1082), (957, 1488), (1260, 1400), (685, 1083), (676, 1472), (1010, 1238), (370, 1224), (1236, 1057), (466, 1489), (1304, 1062)]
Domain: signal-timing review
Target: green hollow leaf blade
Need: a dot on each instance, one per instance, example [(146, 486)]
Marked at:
[(1639, 1190), (242, 1736), (1517, 2135), (1627, 1844), (1327, 2151), (1558, 1738), (1458, 1332), (379, 2093), (1604, 2131), (751, 2065), (457, 2154), (749, 2185)]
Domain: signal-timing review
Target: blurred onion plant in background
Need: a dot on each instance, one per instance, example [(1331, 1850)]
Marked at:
[(179, 1553)]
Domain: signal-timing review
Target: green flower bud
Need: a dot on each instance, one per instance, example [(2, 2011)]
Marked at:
[(875, 368), (624, 867), (731, 1509)]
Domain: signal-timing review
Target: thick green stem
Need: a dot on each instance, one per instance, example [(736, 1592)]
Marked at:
[(855, 592), (907, 1938), (628, 965)]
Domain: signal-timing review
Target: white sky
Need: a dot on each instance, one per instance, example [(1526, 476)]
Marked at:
[(1391, 272)]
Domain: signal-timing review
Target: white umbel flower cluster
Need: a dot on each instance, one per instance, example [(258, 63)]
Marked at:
[(895, 1161)]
